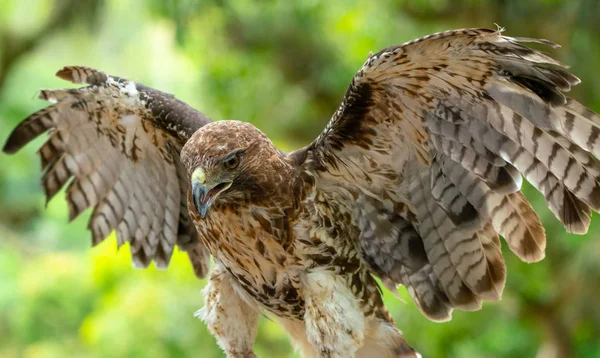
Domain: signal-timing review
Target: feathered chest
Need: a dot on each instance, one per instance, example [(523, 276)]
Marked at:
[(256, 246)]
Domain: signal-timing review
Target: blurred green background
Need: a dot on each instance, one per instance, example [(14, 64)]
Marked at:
[(283, 67)]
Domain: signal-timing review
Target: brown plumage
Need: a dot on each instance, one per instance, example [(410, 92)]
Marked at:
[(413, 180), (117, 143)]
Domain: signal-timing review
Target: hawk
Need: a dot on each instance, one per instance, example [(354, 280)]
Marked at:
[(413, 180)]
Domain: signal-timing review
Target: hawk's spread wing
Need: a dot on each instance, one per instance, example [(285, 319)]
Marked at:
[(118, 144), (426, 154)]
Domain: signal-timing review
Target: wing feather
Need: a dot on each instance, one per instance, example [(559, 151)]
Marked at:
[(116, 145), (439, 132), (445, 246), (395, 252)]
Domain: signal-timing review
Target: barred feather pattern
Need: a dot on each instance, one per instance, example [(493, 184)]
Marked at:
[(454, 120), (106, 143), (413, 179)]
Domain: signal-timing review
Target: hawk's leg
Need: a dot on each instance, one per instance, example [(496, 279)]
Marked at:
[(334, 321), (229, 317)]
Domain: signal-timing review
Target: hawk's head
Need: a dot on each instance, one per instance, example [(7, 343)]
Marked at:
[(230, 162)]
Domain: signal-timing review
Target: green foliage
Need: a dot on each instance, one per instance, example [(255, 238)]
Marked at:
[(283, 66)]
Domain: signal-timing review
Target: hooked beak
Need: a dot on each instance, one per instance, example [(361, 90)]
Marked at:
[(203, 194)]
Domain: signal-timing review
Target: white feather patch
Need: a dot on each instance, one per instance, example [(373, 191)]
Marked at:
[(129, 121), (334, 320), (129, 89)]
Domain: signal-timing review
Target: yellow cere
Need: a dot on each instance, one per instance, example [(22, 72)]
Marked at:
[(199, 175)]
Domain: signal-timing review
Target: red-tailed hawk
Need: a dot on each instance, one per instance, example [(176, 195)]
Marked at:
[(413, 180)]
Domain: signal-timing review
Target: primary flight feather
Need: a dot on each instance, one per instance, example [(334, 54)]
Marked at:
[(413, 180)]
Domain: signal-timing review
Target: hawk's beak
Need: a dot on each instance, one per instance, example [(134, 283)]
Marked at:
[(203, 194)]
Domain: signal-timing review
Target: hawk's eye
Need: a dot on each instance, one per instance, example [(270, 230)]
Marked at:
[(233, 161)]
